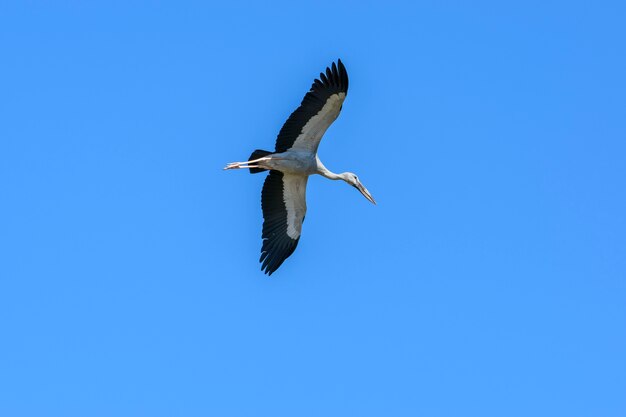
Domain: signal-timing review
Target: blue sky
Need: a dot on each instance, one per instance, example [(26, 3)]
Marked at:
[(488, 281)]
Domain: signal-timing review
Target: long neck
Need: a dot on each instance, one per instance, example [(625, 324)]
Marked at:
[(324, 172)]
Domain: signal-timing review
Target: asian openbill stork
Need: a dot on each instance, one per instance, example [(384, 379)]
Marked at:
[(283, 197)]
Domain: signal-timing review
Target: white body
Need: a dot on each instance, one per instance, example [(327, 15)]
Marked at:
[(283, 198)]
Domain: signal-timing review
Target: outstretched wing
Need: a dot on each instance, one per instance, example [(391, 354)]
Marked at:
[(284, 206), (319, 109)]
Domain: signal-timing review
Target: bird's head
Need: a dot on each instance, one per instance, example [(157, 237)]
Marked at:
[(353, 180)]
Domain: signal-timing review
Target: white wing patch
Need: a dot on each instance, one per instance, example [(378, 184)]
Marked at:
[(312, 132), (294, 195)]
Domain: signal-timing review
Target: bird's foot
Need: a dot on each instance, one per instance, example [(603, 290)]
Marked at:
[(247, 164), (235, 165)]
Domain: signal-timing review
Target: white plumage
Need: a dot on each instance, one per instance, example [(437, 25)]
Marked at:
[(283, 198)]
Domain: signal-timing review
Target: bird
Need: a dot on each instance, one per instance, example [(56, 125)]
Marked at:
[(283, 198)]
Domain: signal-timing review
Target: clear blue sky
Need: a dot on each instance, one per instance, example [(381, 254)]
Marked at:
[(490, 280)]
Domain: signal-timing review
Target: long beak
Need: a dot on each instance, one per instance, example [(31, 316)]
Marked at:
[(365, 193)]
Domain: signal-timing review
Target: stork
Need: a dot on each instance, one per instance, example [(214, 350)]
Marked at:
[(283, 198)]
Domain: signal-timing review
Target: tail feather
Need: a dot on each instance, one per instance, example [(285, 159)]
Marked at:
[(259, 153)]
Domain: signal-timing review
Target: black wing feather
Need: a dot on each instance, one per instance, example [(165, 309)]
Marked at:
[(277, 245), (333, 82)]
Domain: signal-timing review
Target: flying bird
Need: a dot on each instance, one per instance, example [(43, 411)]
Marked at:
[(283, 198)]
